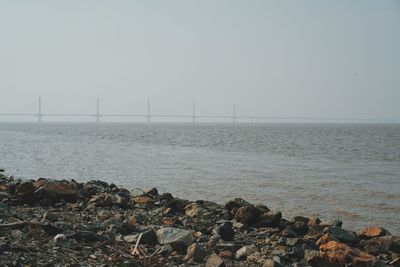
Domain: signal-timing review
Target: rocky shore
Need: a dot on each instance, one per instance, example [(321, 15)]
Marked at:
[(46, 222)]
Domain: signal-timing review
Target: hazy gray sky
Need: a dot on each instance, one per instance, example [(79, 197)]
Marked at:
[(275, 58)]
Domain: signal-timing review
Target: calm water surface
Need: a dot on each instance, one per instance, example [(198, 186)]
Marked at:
[(327, 170)]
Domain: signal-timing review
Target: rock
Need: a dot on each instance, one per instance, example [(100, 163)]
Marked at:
[(195, 252), (142, 200), (177, 205), (343, 235), (382, 244), (270, 263), (130, 238), (245, 251), (247, 214), (61, 189), (88, 236), (269, 219), (25, 190), (341, 254), (195, 210), (152, 192), (373, 231), (326, 238), (227, 246), (313, 258), (225, 231), (214, 261), (233, 205), (59, 237), (174, 236), (104, 215), (43, 193), (149, 237)]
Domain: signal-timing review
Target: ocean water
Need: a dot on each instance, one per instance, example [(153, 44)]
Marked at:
[(347, 171)]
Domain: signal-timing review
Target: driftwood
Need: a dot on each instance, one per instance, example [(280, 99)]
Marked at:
[(12, 225)]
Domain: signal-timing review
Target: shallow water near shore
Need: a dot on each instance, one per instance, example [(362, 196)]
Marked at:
[(347, 171)]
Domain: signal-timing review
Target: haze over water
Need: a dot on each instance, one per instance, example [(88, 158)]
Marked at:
[(347, 171)]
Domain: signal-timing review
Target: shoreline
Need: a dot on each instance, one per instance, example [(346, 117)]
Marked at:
[(67, 223)]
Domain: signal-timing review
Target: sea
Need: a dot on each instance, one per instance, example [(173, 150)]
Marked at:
[(346, 171)]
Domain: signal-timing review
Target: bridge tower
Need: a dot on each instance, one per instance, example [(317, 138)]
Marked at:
[(97, 110), (148, 110), (40, 115)]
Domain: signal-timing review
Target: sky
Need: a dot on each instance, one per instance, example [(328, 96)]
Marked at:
[(273, 58)]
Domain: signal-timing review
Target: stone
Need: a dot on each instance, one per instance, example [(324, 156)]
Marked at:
[(149, 237), (247, 214), (313, 258), (269, 219), (373, 231), (172, 236), (104, 215), (195, 210), (195, 252), (343, 235), (214, 261), (382, 244), (25, 190), (61, 189), (142, 200), (270, 263), (341, 254), (245, 251), (59, 237), (225, 231)]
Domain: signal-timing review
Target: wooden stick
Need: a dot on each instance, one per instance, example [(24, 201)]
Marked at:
[(12, 225)]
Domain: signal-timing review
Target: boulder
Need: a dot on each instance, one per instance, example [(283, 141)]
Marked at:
[(61, 189), (247, 214), (373, 231), (25, 190), (382, 244), (343, 235), (340, 254), (233, 205), (174, 236), (269, 219)]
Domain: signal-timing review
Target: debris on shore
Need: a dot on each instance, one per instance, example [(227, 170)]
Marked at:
[(65, 223)]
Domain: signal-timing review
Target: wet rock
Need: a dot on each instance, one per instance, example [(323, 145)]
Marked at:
[(195, 252), (373, 231), (247, 214), (215, 261), (245, 251), (225, 231)]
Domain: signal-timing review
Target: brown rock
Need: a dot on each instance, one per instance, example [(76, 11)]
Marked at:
[(195, 252), (61, 189), (215, 261), (340, 254), (326, 238), (373, 231), (25, 190), (141, 200), (247, 214)]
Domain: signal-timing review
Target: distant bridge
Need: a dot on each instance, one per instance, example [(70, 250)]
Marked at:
[(194, 117)]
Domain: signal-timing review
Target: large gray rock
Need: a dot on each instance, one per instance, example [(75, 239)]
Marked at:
[(174, 236)]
